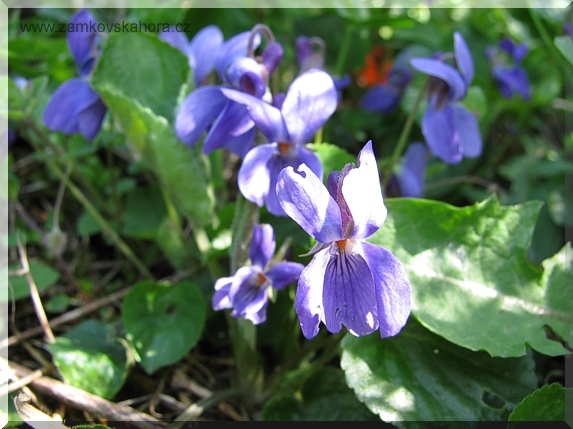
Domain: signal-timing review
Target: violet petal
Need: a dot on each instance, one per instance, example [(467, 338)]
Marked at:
[(304, 198), (267, 118), (285, 273), (349, 295), (308, 301), (262, 245), (363, 195), (463, 58), (197, 112), (393, 293), (441, 70), (254, 178), (440, 132), (310, 100), (233, 121)]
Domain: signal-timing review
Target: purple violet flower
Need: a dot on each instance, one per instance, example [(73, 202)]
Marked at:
[(411, 178), (310, 100), (349, 281), (74, 106), (201, 51), (248, 291), (385, 97), (506, 69), (450, 130), (230, 125)]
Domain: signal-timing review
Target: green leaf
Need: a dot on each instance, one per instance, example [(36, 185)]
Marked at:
[(470, 277), (44, 276), (144, 211), (87, 225), (418, 375), (182, 170), (565, 46), (545, 404), (324, 396), (90, 358), (143, 68), (170, 242), (57, 303), (163, 322), (331, 156)]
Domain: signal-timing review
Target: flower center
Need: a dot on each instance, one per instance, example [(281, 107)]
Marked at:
[(284, 148), (439, 89), (261, 280), (345, 245)]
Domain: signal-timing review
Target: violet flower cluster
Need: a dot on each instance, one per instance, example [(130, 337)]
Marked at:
[(506, 69), (207, 108), (451, 131), (75, 107), (349, 281)]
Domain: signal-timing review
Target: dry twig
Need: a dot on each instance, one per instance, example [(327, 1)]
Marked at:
[(83, 400), (64, 318), (35, 295)]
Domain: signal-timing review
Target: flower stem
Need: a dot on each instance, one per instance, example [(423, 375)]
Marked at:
[(343, 51), (243, 334), (400, 146), (245, 218)]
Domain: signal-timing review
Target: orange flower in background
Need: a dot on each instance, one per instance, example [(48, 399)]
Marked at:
[(377, 65)]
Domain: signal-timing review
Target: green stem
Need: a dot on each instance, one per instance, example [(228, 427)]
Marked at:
[(204, 245), (549, 43), (113, 181), (106, 227), (59, 198), (400, 146), (343, 52), (318, 136), (243, 334), (245, 218)]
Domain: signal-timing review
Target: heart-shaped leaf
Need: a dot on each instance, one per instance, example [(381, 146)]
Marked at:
[(90, 357), (163, 322)]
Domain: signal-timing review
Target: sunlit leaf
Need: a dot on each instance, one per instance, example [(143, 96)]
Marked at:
[(89, 357), (471, 280), (143, 68), (418, 375)]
